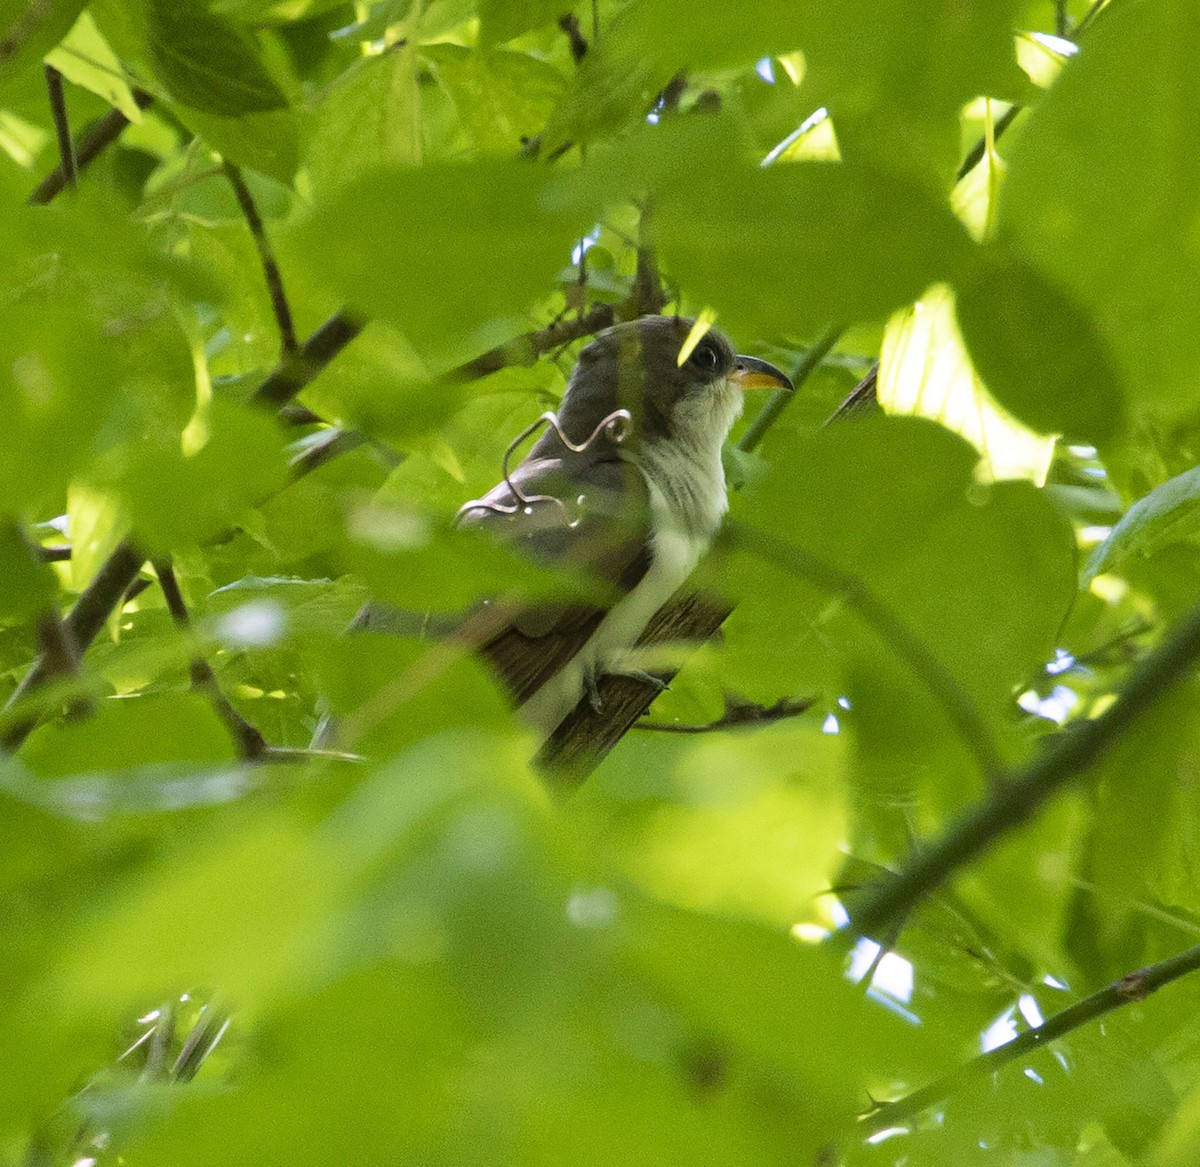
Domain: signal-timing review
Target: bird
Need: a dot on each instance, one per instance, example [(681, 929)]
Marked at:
[(625, 485)]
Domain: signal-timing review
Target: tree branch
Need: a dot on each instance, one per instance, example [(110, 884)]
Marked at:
[(62, 126), (298, 369), (1017, 796), (958, 708), (1134, 986), (95, 139), (251, 744), (737, 714), (525, 350), (266, 256)]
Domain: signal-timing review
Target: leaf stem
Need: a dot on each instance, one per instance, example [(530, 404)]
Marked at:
[(62, 126)]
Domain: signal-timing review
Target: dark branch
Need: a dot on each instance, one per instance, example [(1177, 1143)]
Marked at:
[(525, 350), (1017, 796), (299, 368), (96, 138), (569, 23), (1134, 986), (251, 744), (62, 126), (266, 256), (82, 624), (737, 714), (54, 553)]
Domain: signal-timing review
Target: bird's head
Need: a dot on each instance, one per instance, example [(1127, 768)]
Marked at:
[(637, 366)]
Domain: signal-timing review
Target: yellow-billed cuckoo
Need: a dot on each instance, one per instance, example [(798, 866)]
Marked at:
[(627, 486)]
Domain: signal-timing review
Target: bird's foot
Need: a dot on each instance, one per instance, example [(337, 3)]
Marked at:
[(591, 682)]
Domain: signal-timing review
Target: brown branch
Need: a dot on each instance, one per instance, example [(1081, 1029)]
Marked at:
[(251, 744), (266, 256), (569, 23), (82, 624), (525, 350), (586, 735), (737, 714), (1134, 986), (62, 126), (95, 139), (298, 369)]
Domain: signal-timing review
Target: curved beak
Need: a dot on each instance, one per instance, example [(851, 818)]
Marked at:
[(751, 373)]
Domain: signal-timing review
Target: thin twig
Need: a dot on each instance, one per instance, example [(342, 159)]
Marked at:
[(62, 126), (1017, 796), (1134, 986), (779, 400), (737, 714), (266, 256), (956, 705), (525, 350), (83, 622), (95, 139), (251, 744)]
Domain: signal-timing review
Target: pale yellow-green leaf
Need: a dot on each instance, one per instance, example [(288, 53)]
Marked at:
[(1038, 59), (924, 370), (87, 59), (814, 141), (96, 524)]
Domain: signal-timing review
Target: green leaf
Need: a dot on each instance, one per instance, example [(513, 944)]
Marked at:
[(28, 585), (271, 143), (501, 98), (175, 500), (86, 59), (208, 62), (29, 30), (1103, 194), (980, 575), (786, 248), (442, 250), (1168, 514), (369, 118), (1038, 352), (501, 20)]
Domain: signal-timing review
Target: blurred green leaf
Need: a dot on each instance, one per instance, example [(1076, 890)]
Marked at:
[(1039, 353), (1103, 190), (30, 30), (502, 98), (208, 62), (501, 20), (1168, 514), (441, 250), (370, 117)]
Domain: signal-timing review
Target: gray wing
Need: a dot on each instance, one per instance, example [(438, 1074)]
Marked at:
[(599, 524)]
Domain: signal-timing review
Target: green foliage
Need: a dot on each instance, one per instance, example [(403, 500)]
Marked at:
[(403, 944)]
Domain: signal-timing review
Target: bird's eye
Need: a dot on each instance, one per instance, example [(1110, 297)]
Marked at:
[(705, 356)]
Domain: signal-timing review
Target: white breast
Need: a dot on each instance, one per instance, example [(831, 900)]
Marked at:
[(686, 484)]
